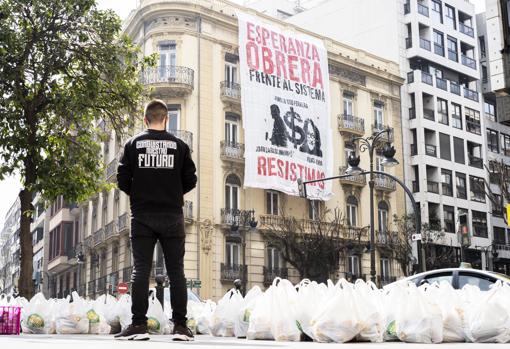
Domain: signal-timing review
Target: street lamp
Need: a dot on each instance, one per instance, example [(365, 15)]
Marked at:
[(370, 144), (234, 232)]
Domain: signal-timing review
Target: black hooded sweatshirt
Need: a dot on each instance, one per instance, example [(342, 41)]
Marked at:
[(156, 170)]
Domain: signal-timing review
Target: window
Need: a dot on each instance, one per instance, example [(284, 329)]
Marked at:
[(444, 143), (438, 43), (382, 215), (497, 206), (447, 182), (352, 211), (167, 61), (485, 77), (231, 133), (456, 116), (439, 278), (461, 185), (232, 186), (314, 209), (378, 116), (505, 144), (272, 202), (458, 150), (102, 264), (348, 103), (449, 16), (385, 268), (230, 73), (449, 219), (104, 214), (94, 216), (479, 220), (490, 111), (453, 54), (437, 11), (472, 121), (273, 258), (479, 280), (499, 235), (477, 188), (116, 196), (233, 253), (492, 141), (173, 120), (442, 110), (481, 40), (353, 265), (115, 258)]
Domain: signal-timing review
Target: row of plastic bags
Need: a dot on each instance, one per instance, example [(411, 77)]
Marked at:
[(346, 312)]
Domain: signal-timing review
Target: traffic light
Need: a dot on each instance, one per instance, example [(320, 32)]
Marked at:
[(464, 236), (301, 188)]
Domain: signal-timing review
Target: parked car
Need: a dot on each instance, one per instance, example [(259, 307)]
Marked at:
[(458, 277)]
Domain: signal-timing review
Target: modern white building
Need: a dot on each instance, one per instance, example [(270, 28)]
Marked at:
[(497, 130), (436, 46), (10, 250), (40, 240)]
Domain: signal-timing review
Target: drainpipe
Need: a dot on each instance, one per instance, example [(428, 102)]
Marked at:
[(198, 144)]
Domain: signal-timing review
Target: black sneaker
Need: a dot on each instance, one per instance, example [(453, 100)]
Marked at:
[(134, 333), (182, 333)]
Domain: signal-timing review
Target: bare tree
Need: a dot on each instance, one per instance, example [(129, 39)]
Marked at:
[(313, 247)]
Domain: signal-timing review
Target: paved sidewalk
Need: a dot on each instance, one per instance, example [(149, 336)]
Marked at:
[(201, 342)]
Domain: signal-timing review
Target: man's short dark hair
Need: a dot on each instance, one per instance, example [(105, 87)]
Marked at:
[(156, 111)]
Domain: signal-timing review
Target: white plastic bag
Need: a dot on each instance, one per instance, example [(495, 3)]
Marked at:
[(243, 317), (417, 320), (72, 317), (223, 318), (204, 318), (107, 305), (488, 317), (260, 318), (311, 296), (97, 320), (156, 319), (370, 311), (284, 303), (123, 311), (338, 320), (38, 316)]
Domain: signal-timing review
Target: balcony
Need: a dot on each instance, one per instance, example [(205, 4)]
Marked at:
[(384, 183), (98, 237), (354, 233), (63, 260), (229, 273), (269, 220), (475, 161), (433, 187), (126, 274), (425, 44), (426, 78), (272, 273), (470, 94), (385, 136), (359, 180), (236, 216), (431, 150), (441, 84), (453, 56), (423, 10), (123, 223), (232, 151), (468, 62), (454, 88), (429, 114), (473, 127), (110, 230), (465, 29), (438, 50), (351, 124), (230, 92), (185, 136), (386, 237), (169, 81)]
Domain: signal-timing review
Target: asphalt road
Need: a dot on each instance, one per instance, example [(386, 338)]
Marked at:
[(209, 342)]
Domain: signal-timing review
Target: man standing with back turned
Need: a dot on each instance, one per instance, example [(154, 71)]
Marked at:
[(156, 170)]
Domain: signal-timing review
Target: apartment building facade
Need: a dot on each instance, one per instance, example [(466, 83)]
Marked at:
[(198, 77), (10, 250), (497, 133), (436, 46)]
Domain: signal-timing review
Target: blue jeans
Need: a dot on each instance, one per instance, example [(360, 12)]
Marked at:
[(146, 230)]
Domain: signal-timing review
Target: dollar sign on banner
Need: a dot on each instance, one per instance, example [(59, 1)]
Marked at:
[(290, 118)]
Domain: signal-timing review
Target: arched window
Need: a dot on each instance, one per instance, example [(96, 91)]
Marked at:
[(382, 214), (352, 211), (232, 185)]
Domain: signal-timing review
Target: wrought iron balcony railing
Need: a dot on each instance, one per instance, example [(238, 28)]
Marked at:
[(231, 272), (230, 89)]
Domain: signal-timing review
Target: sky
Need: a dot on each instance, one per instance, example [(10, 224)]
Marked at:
[(9, 187)]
